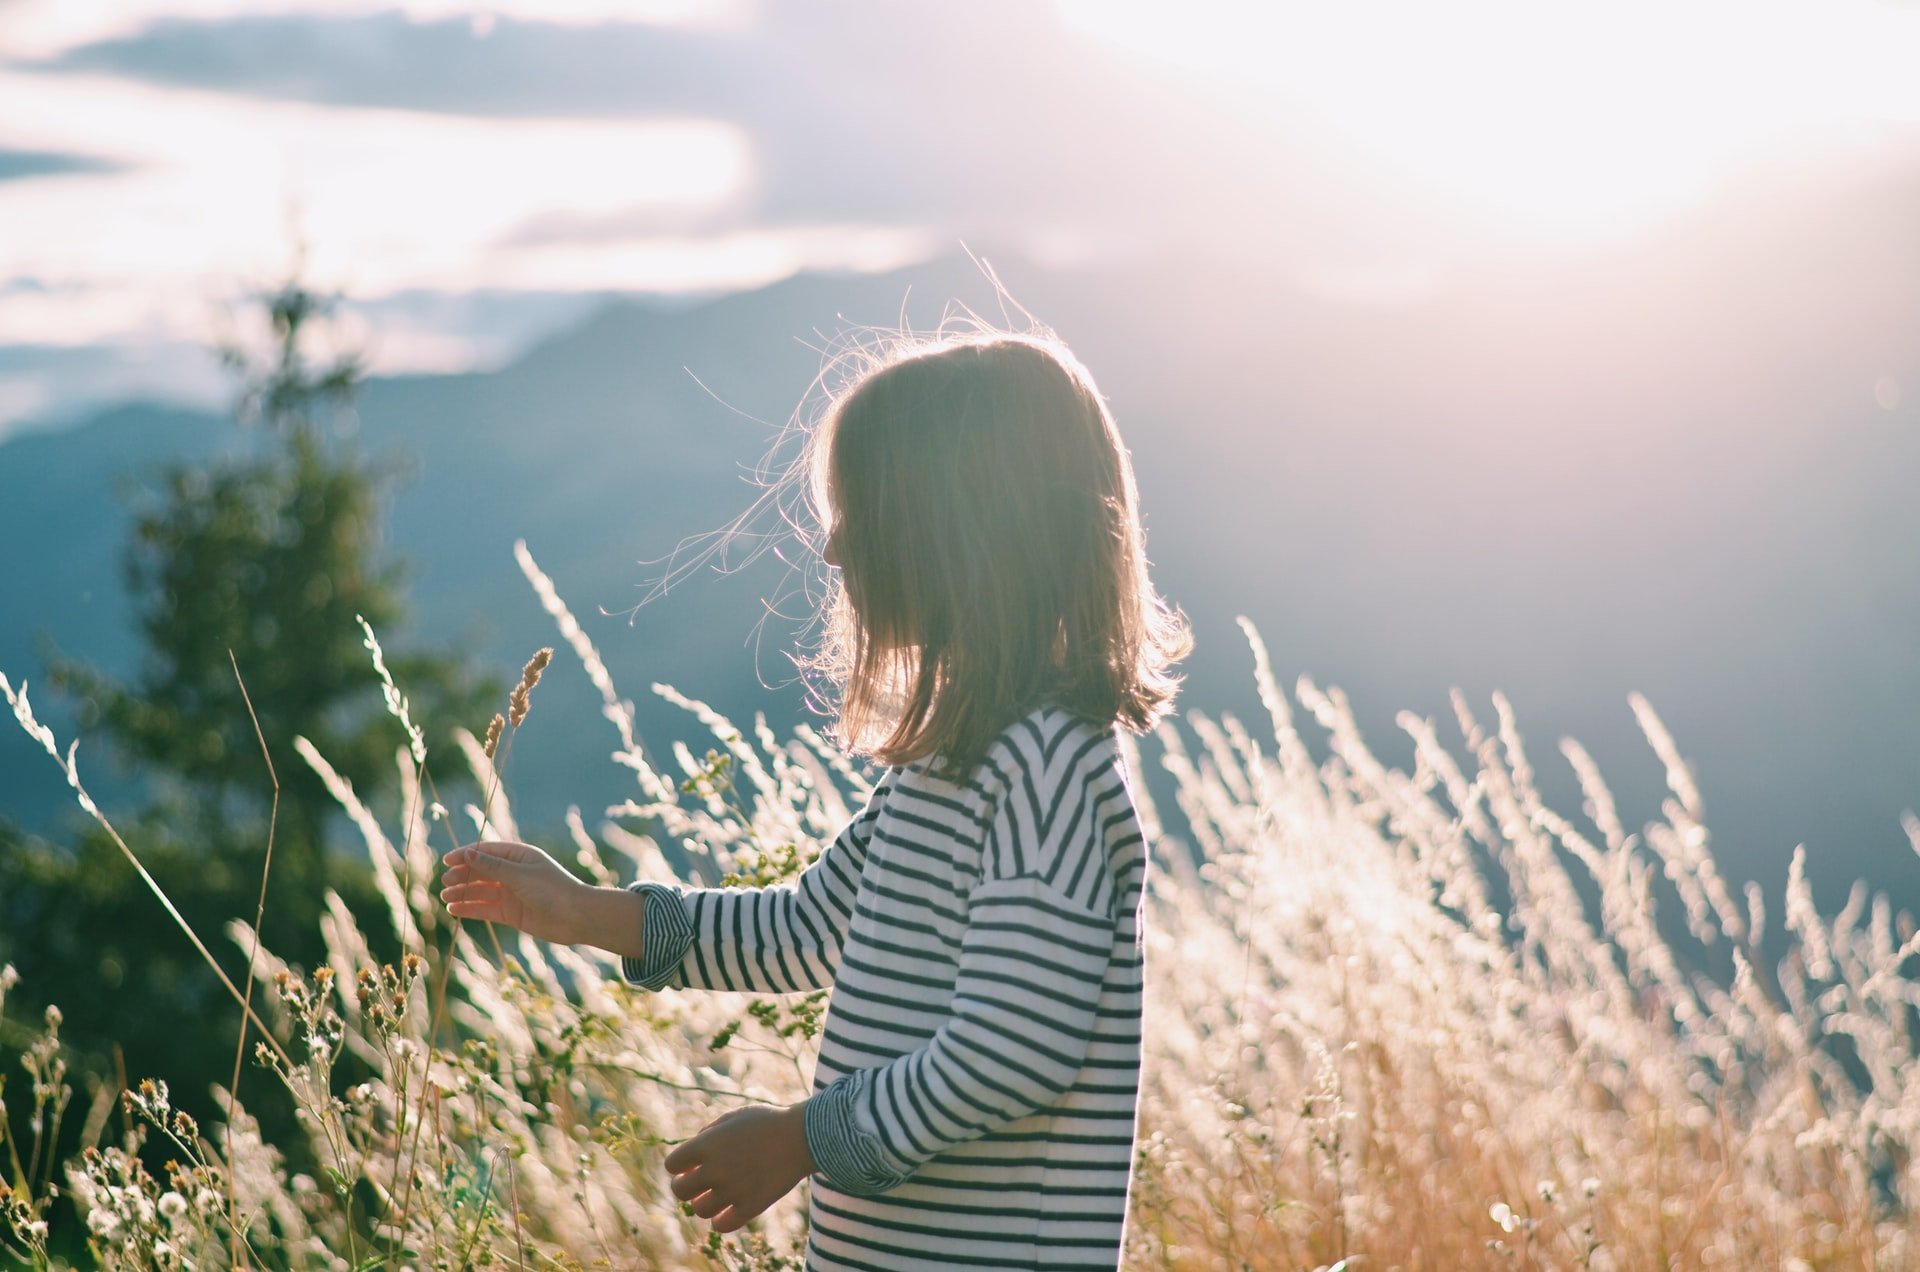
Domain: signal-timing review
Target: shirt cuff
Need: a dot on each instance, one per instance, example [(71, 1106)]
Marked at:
[(851, 1158), (667, 933)]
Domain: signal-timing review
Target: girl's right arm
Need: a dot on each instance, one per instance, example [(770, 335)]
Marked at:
[(783, 939)]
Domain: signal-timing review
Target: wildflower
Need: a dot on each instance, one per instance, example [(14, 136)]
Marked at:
[(149, 1099), (494, 726), (173, 1206), (1502, 1214)]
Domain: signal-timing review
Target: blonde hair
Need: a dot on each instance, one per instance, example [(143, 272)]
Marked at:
[(983, 510)]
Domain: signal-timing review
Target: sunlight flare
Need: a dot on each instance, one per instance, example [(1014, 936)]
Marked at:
[(1579, 118)]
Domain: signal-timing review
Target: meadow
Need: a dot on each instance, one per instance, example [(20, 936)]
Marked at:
[(1397, 1020)]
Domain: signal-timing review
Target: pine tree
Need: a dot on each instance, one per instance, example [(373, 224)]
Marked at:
[(265, 560)]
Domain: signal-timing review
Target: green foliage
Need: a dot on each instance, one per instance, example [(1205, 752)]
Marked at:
[(268, 559), (255, 566)]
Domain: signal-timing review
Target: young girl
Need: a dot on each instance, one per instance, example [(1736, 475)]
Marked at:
[(991, 625)]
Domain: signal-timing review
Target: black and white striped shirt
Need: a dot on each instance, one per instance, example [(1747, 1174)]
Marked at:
[(974, 1102)]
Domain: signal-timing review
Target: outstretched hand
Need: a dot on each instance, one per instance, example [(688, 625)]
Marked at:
[(504, 881), (741, 1163)]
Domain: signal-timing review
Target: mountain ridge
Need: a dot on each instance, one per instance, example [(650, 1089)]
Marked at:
[(1531, 482)]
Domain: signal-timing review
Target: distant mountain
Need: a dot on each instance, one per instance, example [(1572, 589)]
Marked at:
[(1664, 470)]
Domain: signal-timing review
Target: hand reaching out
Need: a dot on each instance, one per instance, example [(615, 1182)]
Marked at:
[(503, 881), (741, 1163)]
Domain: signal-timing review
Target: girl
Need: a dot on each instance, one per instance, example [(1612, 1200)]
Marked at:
[(990, 625)]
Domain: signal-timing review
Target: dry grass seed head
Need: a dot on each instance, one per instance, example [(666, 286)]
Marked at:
[(519, 703)]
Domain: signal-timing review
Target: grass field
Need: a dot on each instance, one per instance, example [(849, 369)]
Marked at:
[(1413, 1021)]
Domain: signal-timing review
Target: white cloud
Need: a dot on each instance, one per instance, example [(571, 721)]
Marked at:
[(388, 199), (43, 28)]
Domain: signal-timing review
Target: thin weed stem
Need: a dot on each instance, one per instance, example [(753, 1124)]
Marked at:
[(253, 955), (44, 735)]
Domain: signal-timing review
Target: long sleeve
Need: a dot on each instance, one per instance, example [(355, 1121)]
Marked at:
[(782, 939), (1038, 942)]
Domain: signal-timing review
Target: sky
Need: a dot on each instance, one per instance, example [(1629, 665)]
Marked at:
[(473, 175)]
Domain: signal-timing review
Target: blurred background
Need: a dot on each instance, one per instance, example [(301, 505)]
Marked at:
[(1569, 351)]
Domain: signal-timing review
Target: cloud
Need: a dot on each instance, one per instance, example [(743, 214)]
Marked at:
[(41, 28), (20, 165), (515, 68), (429, 155), (975, 119), (407, 332)]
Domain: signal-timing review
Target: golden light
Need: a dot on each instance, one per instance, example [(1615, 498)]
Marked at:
[(1558, 118)]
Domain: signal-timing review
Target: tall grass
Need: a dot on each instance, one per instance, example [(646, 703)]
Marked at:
[(1416, 1021)]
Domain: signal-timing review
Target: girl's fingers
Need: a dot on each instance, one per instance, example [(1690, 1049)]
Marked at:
[(686, 1156), (486, 866), (708, 1204), (689, 1184), (473, 892), (729, 1219), (487, 856), (476, 901)]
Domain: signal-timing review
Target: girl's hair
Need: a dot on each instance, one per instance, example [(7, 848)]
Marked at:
[(982, 509)]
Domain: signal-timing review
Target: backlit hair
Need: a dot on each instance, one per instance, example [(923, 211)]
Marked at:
[(982, 508)]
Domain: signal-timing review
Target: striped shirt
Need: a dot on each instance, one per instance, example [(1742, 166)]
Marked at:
[(974, 1101)]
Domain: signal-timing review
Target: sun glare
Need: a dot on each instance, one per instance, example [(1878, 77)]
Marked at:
[(1562, 118)]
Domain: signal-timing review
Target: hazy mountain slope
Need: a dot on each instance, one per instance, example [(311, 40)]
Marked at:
[(1663, 470)]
